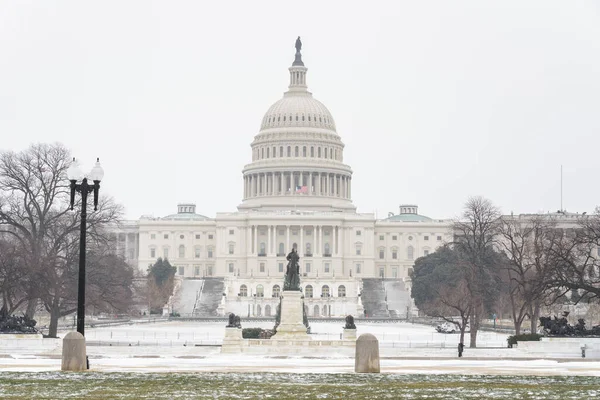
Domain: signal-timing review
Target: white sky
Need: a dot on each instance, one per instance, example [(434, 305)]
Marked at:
[(435, 100)]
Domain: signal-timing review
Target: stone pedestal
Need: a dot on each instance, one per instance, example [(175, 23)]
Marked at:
[(290, 325), (233, 341), (74, 353), (349, 334), (367, 354)]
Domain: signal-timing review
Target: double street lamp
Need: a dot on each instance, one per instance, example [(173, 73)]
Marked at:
[(79, 183)]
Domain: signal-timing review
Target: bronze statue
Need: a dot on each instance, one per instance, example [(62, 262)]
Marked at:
[(231, 322), (350, 322), (292, 274), (298, 45), (298, 57)]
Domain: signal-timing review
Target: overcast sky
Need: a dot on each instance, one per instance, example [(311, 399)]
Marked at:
[(436, 101)]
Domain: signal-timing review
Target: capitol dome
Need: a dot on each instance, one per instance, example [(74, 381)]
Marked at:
[(298, 109), (297, 156)]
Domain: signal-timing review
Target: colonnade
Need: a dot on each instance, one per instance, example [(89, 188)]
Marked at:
[(264, 240), (286, 183)]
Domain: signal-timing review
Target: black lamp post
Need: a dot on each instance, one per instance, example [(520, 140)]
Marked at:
[(75, 175)]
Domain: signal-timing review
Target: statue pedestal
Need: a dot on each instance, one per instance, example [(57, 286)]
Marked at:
[(233, 341), (291, 316), (349, 334)]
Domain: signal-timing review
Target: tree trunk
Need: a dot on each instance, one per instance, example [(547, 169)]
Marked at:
[(535, 317), (31, 308), (54, 317), (474, 327), (518, 326)]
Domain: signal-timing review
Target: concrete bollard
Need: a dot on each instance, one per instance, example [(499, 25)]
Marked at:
[(366, 359), (74, 357)]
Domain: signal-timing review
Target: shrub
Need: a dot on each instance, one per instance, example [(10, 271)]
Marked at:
[(251, 333), (175, 314), (526, 337)]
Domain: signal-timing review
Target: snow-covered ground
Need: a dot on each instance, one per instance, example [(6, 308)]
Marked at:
[(193, 346)]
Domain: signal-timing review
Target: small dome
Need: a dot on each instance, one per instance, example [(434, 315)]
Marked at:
[(409, 218), (408, 213), (185, 212), (298, 110)]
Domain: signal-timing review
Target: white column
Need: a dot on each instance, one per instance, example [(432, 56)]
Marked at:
[(273, 188), (321, 240), (253, 239), (301, 249), (310, 185), (337, 240), (268, 249), (254, 185), (301, 179), (349, 187), (328, 192), (287, 239)]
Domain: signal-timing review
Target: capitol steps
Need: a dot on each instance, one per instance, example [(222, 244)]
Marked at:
[(373, 298), (210, 297)]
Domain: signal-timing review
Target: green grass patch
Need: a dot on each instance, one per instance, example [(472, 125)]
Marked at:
[(93, 385)]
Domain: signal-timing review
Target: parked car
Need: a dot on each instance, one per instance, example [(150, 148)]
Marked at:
[(446, 327)]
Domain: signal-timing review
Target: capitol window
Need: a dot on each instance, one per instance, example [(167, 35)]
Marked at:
[(410, 252), (280, 267), (425, 237), (330, 153), (395, 254), (296, 151), (268, 152), (182, 251), (319, 152), (166, 236), (243, 291), (394, 237), (181, 237), (289, 151), (197, 236), (197, 252), (312, 151), (425, 252), (166, 253), (304, 151), (381, 237), (326, 268), (358, 233), (152, 236), (280, 151), (262, 267), (381, 254), (152, 253), (231, 248), (439, 238), (231, 231), (308, 291), (342, 291), (231, 268)]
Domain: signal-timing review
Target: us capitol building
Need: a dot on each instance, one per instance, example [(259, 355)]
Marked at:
[(297, 194)]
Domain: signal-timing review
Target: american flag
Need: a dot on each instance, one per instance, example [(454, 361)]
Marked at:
[(302, 189)]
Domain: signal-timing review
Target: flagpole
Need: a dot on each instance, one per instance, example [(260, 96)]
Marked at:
[(561, 187)]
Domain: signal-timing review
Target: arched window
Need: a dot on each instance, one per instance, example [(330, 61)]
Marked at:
[(243, 291), (319, 152), (267, 310), (268, 152), (262, 153), (263, 248), (260, 291), (231, 248), (280, 151), (325, 313), (312, 151), (308, 291), (324, 153), (330, 153), (289, 151), (274, 151), (281, 251), (304, 151), (342, 291), (276, 291), (182, 251), (316, 312), (325, 291), (258, 309), (296, 151), (410, 252), (327, 250), (335, 154)]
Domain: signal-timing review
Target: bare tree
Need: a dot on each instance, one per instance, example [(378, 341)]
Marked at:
[(13, 276), (529, 243), (475, 237), (34, 214)]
